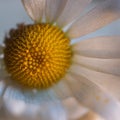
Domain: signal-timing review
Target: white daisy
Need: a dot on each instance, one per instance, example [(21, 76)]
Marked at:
[(41, 65)]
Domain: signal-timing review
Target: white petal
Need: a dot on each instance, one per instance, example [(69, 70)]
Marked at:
[(100, 47), (16, 108), (49, 105), (104, 13), (54, 9), (72, 11), (43, 111), (74, 109), (53, 111), (62, 90), (29, 96), (90, 95), (110, 66), (35, 9), (108, 82)]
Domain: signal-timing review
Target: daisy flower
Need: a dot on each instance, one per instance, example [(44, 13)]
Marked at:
[(45, 63)]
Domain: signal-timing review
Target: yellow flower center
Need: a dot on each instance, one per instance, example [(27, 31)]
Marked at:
[(37, 56)]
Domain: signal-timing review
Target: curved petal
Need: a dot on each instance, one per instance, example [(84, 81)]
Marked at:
[(35, 9), (14, 108), (29, 96), (108, 82), (72, 11), (63, 93), (100, 47), (74, 109), (54, 9), (105, 12), (92, 96), (53, 111), (47, 110), (45, 100), (110, 66)]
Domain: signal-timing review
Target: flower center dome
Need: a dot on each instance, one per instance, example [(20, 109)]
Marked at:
[(37, 56)]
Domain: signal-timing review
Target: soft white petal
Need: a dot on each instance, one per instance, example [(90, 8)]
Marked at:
[(100, 47), (92, 96), (54, 9), (72, 11), (29, 96), (35, 9), (74, 109), (15, 107), (105, 12), (110, 66), (49, 105), (53, 111), (62, 90), (108, 82), (46, 111)]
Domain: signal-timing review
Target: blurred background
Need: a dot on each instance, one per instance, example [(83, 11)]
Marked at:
[(12, 13)]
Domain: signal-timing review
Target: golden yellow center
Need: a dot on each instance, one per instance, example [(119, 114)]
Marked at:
[(37, 56)]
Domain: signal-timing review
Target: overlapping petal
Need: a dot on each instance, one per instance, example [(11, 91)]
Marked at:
[(35, 9), (102, 14), (98, 60), (53, 110), (29, 96), (99, 47), (44, 101), (63, 93), (108, 82), (110, 66), (44, 9), (93, 96), (53, 9), (72, 11)]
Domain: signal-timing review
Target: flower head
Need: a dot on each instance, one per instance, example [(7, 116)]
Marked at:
[(43, 66), (37, 56)]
